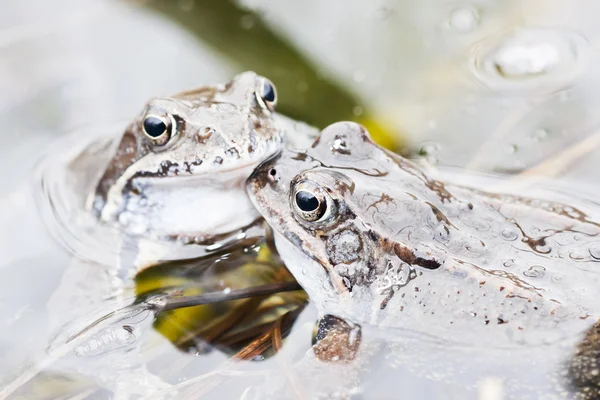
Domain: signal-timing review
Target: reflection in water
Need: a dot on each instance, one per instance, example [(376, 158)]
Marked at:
[(63, 179), (228, 326)]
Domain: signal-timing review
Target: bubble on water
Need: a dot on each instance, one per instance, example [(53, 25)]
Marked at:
[(463, 19), (535, 59), (535, 271)]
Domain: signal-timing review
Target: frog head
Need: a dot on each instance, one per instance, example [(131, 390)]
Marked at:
[(336, 208), (180, 166)]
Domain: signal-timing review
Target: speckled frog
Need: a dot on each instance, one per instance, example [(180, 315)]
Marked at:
[(179, 169), (374, 239)]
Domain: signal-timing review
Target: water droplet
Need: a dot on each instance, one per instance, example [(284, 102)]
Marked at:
[(339, 144), (530, 59), (535, 271), (510, 234), (595, 253), (540, 135), (577, 255), (227, 290), (357, 111), (463, 19), (508, 263)]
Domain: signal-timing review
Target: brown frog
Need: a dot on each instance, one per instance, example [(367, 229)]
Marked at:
[(374, 239), (179, 169)]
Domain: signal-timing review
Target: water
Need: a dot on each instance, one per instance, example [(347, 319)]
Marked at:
[(500, 87), (530, 59)]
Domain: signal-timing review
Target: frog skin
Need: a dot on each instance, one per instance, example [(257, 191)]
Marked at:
[(374, 239), (179, 170)]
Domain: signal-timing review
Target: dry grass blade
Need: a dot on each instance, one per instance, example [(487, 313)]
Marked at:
[(558, 163), (216, 297)]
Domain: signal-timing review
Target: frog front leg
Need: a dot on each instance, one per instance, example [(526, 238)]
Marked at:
[(584, 366), (336, 339)]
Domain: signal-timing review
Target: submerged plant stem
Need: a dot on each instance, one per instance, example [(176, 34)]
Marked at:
[(216, 297)]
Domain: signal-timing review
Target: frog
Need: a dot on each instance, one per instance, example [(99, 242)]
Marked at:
[(382, 241), (179, 168), (174, 187)]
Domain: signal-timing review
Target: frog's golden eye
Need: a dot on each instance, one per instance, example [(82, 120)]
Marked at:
[(311, 202), (159, 128), (266, 94)]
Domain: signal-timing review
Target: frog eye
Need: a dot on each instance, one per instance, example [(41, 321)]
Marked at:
[(311, 202), (159, 128), (266, 94)]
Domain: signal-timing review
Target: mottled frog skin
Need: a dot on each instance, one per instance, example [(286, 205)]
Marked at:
[(179, 169), (374, 239)]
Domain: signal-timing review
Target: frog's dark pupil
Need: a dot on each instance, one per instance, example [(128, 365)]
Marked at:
[(306, 201), (268, 92), (154, 126)]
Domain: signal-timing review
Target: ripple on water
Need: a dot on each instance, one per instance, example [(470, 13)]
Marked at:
[(530, 59), (64, 177)]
